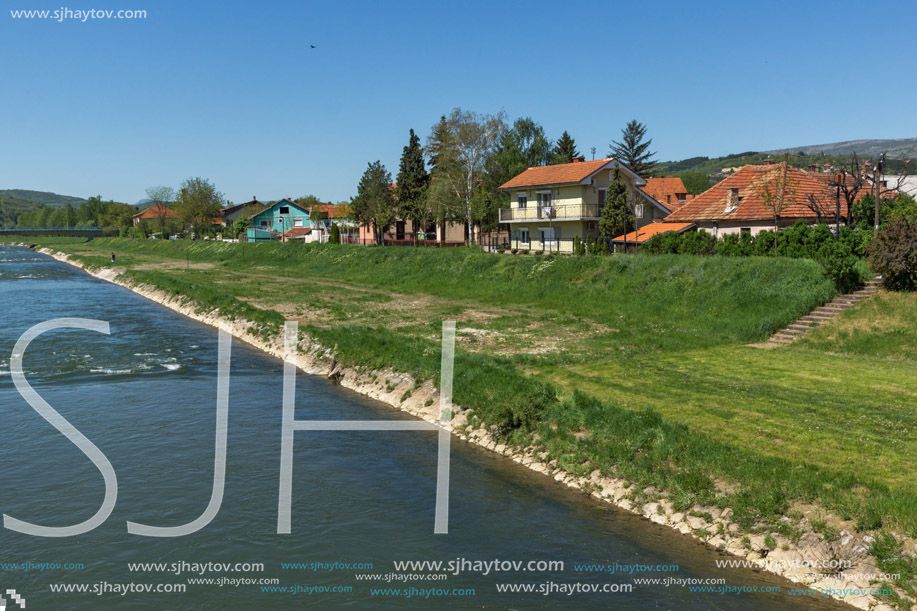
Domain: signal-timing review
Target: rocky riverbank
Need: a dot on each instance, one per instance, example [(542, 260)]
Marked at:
[(805, 559)]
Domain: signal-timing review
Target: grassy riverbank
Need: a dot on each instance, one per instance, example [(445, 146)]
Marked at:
[(636, 366)]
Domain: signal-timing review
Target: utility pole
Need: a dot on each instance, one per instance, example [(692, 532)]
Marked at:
[(877, 176), (837, 202)]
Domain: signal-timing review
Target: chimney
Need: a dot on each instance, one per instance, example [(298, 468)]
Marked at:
[(579, 159), (732, 199)]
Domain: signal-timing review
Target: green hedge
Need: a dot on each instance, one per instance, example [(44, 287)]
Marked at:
[(843, 259)]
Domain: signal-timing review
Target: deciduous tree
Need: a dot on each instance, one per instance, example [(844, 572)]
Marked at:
[(161, 197), (460, 147), (198, 204), (777, 194), (374, 205)]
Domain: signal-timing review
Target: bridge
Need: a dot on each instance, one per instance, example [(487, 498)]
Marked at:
[(80, 232)]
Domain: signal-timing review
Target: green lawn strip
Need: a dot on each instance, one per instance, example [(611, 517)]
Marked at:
[(680, 301), (641, 445), (883, 326), (859, 418)]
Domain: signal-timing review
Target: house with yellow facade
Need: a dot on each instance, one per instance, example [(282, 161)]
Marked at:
[(552, 205)]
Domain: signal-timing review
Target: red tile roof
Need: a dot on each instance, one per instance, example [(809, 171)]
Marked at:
[(750, 181), (156, 211), (666, 190), (296, 232), (647, 231), (238, 207), (335, 211), (560, 174)]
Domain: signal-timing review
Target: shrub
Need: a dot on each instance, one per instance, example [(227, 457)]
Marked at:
[(696, 243), (668, 243), (579, 247), (893, 253), (335, 237)]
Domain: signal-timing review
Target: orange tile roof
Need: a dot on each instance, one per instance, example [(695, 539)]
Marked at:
[(335, 211), (560, 174), (666, 190), (154, 212), (750, 181), (647, 231), (296, 232)]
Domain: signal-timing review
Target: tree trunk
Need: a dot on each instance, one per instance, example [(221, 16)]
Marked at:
[(775, 236)]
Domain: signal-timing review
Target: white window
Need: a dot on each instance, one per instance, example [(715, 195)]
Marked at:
[(544, 204), (284, 210), (639, 211), (547, 235), (265, 223), (297, 222), (522, 200), (524, 235)]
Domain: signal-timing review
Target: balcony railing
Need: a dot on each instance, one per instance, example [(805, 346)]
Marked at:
[(559, 212)]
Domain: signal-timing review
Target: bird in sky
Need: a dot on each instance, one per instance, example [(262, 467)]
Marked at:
[(313, 46)]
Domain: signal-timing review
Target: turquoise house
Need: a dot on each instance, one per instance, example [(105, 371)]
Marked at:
[(271, 222)]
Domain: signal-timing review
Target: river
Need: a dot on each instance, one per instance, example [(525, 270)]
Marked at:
[(145, 395)]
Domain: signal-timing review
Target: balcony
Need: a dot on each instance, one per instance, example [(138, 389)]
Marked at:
[(561, 212)]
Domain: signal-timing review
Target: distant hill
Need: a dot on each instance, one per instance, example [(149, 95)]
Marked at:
[(700, 173), (902, 148), (42, 197), (14, 202)]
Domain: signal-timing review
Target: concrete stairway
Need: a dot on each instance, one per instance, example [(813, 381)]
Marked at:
[(823, 314)]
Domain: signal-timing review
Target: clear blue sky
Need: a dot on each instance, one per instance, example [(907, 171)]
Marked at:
[(232, 91)]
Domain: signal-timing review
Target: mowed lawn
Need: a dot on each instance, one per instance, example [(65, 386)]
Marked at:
[(829, 419), (840, 412)]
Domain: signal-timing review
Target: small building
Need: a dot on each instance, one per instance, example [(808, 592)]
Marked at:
[(273, 221), (296, 233), (552, 205), (903, 184), (668, 190), (229, 215), (156, 212), (737, 204), (405, 232), (633, 240), (325, 216)]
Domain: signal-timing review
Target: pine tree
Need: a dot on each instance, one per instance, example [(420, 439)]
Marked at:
[(335, 237), (564, 150), (633, 152), (374, 205), (412, 184), (438, 143), (616, 217)]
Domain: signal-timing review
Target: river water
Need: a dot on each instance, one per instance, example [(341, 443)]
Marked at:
[(146, 397)]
